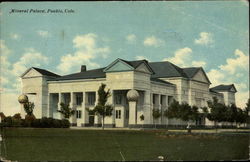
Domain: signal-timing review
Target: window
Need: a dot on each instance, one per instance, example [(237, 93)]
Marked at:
[(78, 99), (91, 98), (118, 114), (78, 114), (118, 99)]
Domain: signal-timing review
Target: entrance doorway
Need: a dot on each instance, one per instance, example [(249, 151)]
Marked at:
[(119, 117)]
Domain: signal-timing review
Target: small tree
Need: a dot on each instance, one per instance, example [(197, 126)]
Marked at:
[(240, 117), (231, 113), (217, 112), (142, 117), (182, 111), (156, 114), (17, 116), (2, 116), (66, 111), (246, 112), (102, 108), (173, 110), (28, 108)]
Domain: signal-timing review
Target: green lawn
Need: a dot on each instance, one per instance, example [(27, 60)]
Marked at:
[(76, 145)]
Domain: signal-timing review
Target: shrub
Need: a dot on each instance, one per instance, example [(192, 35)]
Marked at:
[(2, 116), (7, 121), (56, 123), (31, 121), (17, 116), (16, 122), (36, 123), (65, 123)]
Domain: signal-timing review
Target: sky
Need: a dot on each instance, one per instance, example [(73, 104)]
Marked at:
[(66, 35)]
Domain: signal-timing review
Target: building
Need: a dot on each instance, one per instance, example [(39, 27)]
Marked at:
[(155, 84)]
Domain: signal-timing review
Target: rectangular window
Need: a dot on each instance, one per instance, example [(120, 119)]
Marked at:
[(78, 114), (118, 114), (91, 98), (118, 99), (78, 99)]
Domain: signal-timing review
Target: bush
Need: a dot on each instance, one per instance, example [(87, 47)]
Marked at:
[(2, 116), (17, 116), (47, 122), (56, 123), (31, 121), (36, 123), (65, 123), (7, 121)]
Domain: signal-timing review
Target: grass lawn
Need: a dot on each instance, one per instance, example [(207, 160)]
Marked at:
[(98, 145)]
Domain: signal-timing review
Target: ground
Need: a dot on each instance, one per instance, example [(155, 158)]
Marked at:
[(26, 144)]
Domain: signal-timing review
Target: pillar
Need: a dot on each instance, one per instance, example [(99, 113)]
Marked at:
[(84, 111), (49, 107), (132, 97), (59, 106), (97, 120), (132, 112), (148, 103), (72, 118)]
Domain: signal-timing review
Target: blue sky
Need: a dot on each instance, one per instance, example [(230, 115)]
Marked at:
[(211, 34)]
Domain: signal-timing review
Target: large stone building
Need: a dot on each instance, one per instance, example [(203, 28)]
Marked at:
[(137, 88)]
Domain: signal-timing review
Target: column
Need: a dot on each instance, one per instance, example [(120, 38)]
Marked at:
[(158, 106), (59, 106), (49, 106), (97, 120), (72, 118), (84, 112), (133, 97), (111, 102), (148, 105), (166, 103), (132, 112)]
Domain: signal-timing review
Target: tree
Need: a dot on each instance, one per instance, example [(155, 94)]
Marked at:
[(240, 117), (156, 114), (231, 113), (2, 116), (102, 108), (182, 111), (173, 110), (246, 112), (66, 111), (29, 107), (17, 116), (217, 111), (247, 108)]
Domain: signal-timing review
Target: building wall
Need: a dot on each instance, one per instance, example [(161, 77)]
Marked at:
[(229, 98), (48, 94), (35, 86)]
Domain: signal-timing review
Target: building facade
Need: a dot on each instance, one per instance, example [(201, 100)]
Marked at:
[(153, 84)]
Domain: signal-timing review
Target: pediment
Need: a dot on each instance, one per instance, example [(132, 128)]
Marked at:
[(201, 76), (143, 68), (117, 66), (31, 73), (233, 89)]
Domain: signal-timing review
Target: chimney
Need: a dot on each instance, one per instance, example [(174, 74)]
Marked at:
[(83, 68)]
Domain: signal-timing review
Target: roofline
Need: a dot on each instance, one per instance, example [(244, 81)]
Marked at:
[(118, 59), (27, 71), (226, 90), (76, 80), (165, 84)]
